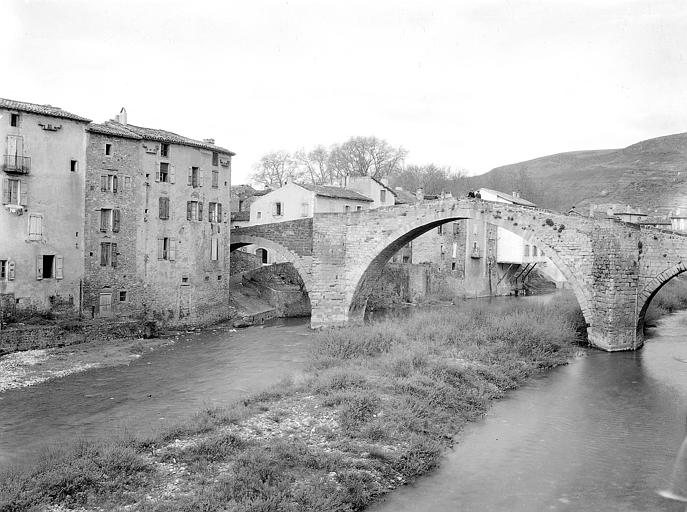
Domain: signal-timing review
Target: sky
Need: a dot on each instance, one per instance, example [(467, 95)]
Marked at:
[(471, 84)]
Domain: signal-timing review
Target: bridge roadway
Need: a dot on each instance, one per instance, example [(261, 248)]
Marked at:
[(614, 268)]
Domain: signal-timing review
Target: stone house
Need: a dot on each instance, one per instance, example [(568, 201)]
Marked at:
[(300, 200), (242, 196), (377, 190), (42, 216), (156, 225)]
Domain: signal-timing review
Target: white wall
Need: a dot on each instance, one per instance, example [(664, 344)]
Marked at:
[(510, 248), (297, 203), (338, 205), (370, 188)]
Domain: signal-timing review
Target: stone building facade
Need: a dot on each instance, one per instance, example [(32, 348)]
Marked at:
[(43, 151), (157, 225)]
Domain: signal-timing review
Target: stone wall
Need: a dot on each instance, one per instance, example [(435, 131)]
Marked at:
[(282, 287), (17, 339), (243, 262)]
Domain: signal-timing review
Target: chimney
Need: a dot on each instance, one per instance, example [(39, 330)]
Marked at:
[(121, 117), (420, 194), (209, 141)]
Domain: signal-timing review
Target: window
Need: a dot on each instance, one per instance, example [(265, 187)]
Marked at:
[(194, 177), (277, 209), (108, 149), (259, 215), (453, 265), (109, 220), (440, 229), (164, 208), (215, 212), (74, 165), (454, 251), (382, 195), (194, 210), (14, 120), (215, 178), (166, 249), (456, 228), (108, 183), (3, 270), (163, 174), (215, 158), (214, 249), (305, 209), (347, 209), (35, 226), (526, 251), (242, 203), (122, 296), (12, 191), (127, 182), (534, 250), (358, 208), (164, 149), (108, 254), (49, 266)]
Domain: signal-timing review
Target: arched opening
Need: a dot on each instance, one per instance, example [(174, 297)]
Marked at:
[(284, 284), (664, 294), (474, 250), (262, 255)]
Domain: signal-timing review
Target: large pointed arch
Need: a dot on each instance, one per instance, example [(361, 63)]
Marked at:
[(651, 289), (366, 276)]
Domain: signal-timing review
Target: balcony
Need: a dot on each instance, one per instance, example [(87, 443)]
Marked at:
[(17, 164)]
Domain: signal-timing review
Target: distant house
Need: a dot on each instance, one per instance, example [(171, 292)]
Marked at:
[(488, 194), (656, 222), (629, 214), (299, 200), (242, 196), (377, 190), (679, 221)]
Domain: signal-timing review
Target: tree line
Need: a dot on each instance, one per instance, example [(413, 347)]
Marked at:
[(375, 157)]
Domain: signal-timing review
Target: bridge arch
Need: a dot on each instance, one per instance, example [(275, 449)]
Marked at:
[(651, 289), (382, 252), (281, 252)]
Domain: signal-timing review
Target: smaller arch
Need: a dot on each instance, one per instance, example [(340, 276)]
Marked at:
[(651, 289), (280, 252)]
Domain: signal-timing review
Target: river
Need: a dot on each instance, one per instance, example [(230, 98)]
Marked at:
[(598, 434), (207, 368)]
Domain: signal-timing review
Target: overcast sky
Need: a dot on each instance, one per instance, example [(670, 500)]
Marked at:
[(471, 84)]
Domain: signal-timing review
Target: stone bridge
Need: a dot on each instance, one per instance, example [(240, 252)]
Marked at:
[(614, 268)]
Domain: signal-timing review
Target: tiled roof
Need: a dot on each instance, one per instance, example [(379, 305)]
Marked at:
[(112, 129), (336, 192), (405, 197), (44, 110), (133, 131), (379, 182)]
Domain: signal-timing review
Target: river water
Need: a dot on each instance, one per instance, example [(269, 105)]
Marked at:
[(599, 434), (201, 369)]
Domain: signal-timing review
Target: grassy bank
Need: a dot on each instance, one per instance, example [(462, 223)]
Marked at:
[(376, 408), (672, 297)]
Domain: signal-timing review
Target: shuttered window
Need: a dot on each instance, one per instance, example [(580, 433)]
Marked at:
[(214, 249), (164, 208)]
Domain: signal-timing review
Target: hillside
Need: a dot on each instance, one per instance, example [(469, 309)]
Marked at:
[(651, 174)]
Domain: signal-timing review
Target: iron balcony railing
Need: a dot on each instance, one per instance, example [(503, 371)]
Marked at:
[(17, 164)]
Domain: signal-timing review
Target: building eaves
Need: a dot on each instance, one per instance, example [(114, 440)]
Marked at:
[(335, 192), (113, 130), (158, 135), (44, 110)]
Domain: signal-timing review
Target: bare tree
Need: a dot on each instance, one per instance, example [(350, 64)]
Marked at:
[(275, 169), (432, 178), (314, 165), (366, 156)]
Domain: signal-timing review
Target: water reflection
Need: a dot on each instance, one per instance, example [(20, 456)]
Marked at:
[(598, 434)]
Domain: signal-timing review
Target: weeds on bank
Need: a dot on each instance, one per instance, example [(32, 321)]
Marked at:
[(671, 297), (376, 408)]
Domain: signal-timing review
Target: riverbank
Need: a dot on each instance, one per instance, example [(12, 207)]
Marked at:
[(31, 367), (376, 407)]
